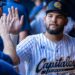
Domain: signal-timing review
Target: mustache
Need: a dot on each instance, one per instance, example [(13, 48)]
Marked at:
[(52, 24)]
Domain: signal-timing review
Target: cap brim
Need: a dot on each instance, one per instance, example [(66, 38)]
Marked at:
[(58, 11)]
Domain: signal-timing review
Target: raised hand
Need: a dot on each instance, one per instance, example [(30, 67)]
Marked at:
[(15, 23), (9, 47)]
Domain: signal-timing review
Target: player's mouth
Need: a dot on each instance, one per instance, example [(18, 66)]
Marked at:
[(53, 26)]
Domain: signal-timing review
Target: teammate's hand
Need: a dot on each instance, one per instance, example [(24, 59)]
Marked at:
[(3, 25), (13, 20)]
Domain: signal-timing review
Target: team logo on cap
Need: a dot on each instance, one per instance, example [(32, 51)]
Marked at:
[(57, 5)]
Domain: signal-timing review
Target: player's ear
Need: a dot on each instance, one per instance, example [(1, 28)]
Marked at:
[(66, 21)]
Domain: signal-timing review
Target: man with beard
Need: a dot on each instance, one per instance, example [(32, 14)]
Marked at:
[(49, 53)]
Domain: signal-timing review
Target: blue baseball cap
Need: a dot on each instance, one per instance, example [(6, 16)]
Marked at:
[(56, 6)]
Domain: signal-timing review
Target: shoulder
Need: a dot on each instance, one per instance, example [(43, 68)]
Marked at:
[(37, 36), (69, 39), (34, 37), (28, 43), (31, 38)]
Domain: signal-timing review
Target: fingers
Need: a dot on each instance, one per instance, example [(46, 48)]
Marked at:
[(3, 24), (22, 20), (11, 23), (4, 18), (8, 19), (19, 26), (16, 13), (13, 19), (9, 11), (13, 12)]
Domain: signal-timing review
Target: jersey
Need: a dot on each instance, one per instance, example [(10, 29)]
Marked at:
[(43, 55)]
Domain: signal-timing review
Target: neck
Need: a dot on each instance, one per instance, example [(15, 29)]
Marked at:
[(54, 38)]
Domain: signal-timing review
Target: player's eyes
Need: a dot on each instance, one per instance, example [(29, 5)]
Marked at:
[(60, 16), (50, 16)]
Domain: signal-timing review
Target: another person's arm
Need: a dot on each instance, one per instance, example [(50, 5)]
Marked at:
[(10, 24), (5, 57)]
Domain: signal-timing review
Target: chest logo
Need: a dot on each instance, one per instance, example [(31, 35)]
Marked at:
[(46, 67)]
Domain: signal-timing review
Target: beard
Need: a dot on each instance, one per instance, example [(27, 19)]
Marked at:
[(55, 32)]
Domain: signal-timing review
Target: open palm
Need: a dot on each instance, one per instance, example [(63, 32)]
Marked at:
[(15, 23)]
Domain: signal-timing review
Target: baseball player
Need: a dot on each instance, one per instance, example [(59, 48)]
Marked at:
[(49, 53)]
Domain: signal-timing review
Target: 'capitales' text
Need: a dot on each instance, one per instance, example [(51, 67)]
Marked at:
[(45, 67)]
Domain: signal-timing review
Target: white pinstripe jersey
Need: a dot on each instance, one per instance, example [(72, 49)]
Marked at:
[(36, 47)]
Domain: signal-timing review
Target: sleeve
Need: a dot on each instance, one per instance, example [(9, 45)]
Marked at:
[(24, 49), (35, 11), (6, 69), (5, 58)]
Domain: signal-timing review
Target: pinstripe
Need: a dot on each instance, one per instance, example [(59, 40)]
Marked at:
[(36, 47)]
